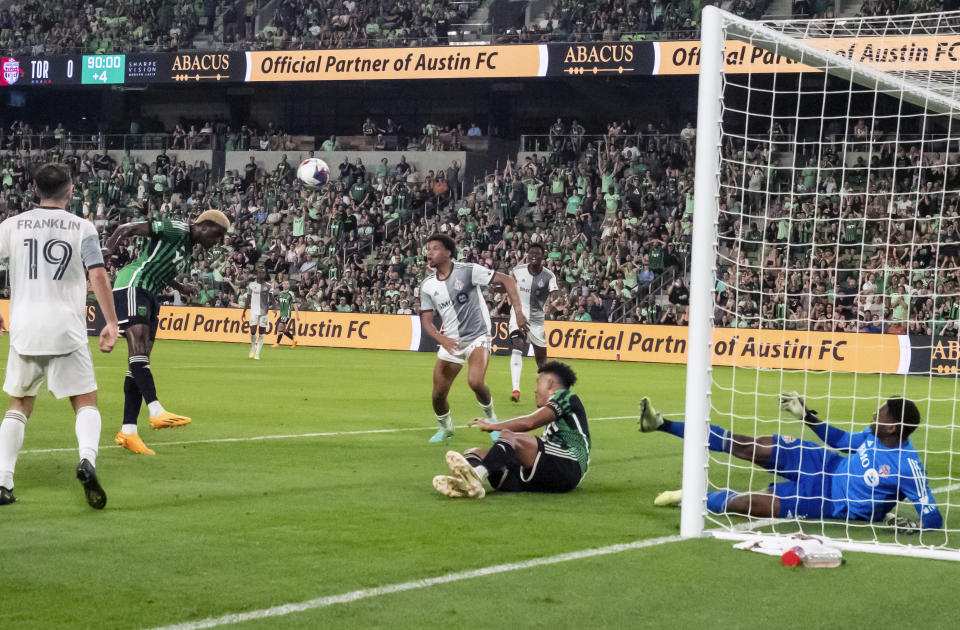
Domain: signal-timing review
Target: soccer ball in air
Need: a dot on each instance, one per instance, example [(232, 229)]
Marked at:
[(313, 172)]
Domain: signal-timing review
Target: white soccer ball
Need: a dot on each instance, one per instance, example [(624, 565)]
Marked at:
[(313, 172)]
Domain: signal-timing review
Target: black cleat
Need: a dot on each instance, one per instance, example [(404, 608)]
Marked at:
[(6, 496), (96, 497)]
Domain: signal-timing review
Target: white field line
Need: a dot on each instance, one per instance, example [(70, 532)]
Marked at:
[(258, 438), (352, 596)]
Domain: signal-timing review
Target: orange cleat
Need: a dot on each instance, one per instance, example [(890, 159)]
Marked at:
[(132, 442), (166, 420)]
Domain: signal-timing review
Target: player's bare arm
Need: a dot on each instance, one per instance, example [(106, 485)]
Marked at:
[(100, 282), (510, 284), (539, 418), (126, 231), (184, 289), (426, 321)]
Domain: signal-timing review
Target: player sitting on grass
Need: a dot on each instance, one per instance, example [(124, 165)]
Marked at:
[(878, 468), (520, 462)]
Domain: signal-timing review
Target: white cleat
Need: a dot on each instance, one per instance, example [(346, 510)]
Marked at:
[(650, 419), (471, 481), (450, 486), (670, 498)]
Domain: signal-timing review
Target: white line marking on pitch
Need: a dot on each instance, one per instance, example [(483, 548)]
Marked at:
[(352, 596), (256, 438)]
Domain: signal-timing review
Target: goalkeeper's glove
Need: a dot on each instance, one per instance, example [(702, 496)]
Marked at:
[(900, 524), (793, 404)]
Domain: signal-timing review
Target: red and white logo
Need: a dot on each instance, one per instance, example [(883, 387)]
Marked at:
[(10, 71)]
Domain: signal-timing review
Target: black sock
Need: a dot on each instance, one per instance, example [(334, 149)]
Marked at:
[(279, 338), (499, 456), (140, 368), (131, 400)]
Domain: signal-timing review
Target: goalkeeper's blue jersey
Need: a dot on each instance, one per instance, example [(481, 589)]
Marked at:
[(873, 477)]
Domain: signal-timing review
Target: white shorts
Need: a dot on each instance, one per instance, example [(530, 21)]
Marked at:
[(462, 355), (537, 334), (66, 374), (263, 321)]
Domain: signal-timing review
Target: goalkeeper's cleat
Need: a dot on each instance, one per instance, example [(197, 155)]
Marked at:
[(167, 420), (87, 474), (670, 498), (650, 419), (442, 435), (450, 486), (293, 344), (132, 442), (515, 396), (6, 496), (472, 483)]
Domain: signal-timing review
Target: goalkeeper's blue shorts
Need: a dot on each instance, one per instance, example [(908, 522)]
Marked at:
[(807, 467)]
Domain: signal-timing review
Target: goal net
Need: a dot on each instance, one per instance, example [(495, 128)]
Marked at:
[(825, 261)]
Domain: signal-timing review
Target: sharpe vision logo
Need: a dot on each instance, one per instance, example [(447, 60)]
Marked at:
[(10, 71), (599, 59)]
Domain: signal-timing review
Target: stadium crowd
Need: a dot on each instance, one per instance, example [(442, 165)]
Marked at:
[(613, 212)]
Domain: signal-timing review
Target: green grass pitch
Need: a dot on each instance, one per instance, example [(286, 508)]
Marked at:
[(210, 527)]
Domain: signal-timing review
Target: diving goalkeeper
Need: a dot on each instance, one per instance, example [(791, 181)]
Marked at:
[(861, 480)]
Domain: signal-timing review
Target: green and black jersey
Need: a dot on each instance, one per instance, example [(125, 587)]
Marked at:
[(285, 304), (569, 431), (166, 256)]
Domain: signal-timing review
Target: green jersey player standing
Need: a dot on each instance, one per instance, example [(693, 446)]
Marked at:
[(286, 304), (166, 255)]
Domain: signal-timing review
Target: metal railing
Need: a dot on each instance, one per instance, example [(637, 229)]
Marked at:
[(647, 294), (68, 142), (546, 142)]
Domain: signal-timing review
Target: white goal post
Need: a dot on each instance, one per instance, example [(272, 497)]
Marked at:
[(726, 136)]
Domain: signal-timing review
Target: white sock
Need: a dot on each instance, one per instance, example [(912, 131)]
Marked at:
[(488, 410), (445, 421), (155, 408), (259, 344), (516, 366), (11, 439), (128, 429), (481, 471), (253, 342), (88, 433)]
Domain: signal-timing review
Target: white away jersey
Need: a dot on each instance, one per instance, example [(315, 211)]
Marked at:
[(459, 301), (49, 250), (260, 298), (533, 290)]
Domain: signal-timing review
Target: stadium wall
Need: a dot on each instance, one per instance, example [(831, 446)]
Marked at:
[(746, 348)]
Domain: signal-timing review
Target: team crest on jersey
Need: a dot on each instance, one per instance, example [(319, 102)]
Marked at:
[(142, 311), (540, 284), (884, 470), (871, 477), (458, 285), (461, 298)]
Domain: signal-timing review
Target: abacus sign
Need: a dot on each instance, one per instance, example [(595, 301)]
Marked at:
[(102, 69)]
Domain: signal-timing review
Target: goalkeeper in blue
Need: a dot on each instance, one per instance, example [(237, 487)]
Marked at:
[(861, 479)]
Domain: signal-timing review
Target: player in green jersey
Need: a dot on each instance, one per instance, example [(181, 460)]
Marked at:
[(166, 255), (286, 304), (519, 462)]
